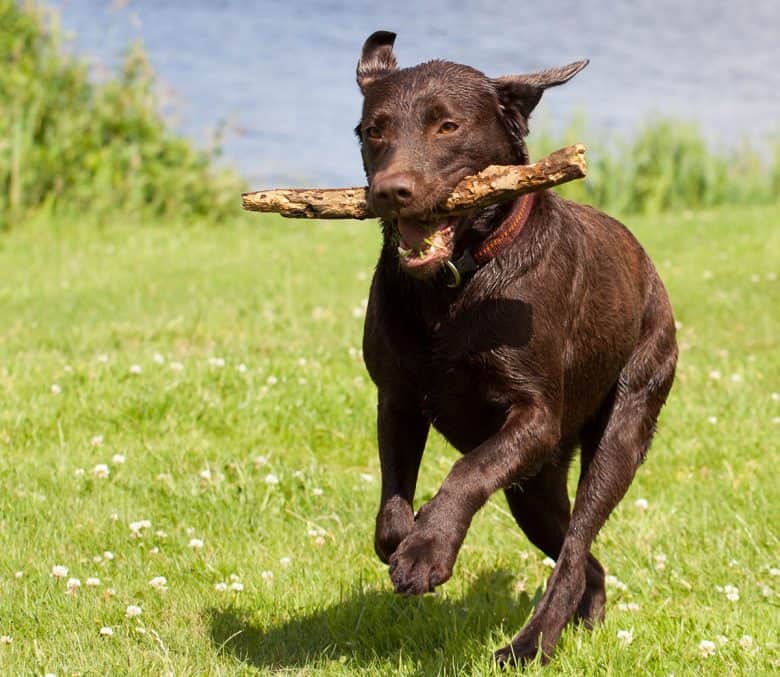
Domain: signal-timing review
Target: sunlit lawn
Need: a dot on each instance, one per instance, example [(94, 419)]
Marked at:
[(190, 403)]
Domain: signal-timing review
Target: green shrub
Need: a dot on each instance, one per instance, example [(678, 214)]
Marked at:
[(68, 144), (667, 166)]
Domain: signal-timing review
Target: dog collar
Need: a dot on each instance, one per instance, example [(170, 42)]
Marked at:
[(470, 261)]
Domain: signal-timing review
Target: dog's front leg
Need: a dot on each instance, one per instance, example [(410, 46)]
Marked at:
[(425, 558), (402, 430)]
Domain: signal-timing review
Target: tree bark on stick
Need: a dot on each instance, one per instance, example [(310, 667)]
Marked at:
[(497, 183)]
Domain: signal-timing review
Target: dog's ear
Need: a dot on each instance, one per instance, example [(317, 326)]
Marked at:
[(377, 59), (521, 93)]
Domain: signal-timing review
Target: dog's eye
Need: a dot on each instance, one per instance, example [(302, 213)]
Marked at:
[(447, 127), (373, 133)]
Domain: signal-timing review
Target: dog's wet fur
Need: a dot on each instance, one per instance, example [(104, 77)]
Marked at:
[(564, 341)]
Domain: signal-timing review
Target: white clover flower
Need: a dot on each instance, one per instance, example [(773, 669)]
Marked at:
[(660, 561), (774, 571), (549, 562), (746, 642), (218, 362), (205, 475), (706, 648), (221, 586), (6, 639), (176, 366), (272, 380), (154, 551), (626, 636), (271, 479), (366, 477), (59, 571), (242, 368), (732, 593), (135, 369), (73, 585), (19, 574), (108, 555), (93, 582), (237, 586), (260, 461), (285, 561), (158, 358), (614, 582), (301, 361), (712, 420), (79, 472), (96, 441), (317, 491), (133, 610), (101, 471), (55, 389), (195, 543), (641, 504), (160, 534), (736, 378), (775, 397), (715, 375), (234, 577), (267, 576), (159, 583), (138, 526), (105, 631), (357, 312), (102, 358), (118, 459)]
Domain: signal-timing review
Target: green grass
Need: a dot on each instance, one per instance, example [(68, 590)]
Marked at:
[(79, 307)]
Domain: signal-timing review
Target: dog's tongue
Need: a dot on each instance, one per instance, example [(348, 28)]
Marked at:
[(414, 233)]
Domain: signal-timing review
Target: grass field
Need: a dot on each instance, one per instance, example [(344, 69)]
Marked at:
[(190, 403)]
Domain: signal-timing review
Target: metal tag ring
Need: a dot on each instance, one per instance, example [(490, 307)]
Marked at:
[(455, 282)]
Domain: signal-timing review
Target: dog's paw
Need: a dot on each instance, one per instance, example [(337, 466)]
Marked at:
[(394, 523), (420, 563), (522, 650)]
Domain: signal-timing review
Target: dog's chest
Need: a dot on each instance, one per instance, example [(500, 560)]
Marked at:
[(467, 378)]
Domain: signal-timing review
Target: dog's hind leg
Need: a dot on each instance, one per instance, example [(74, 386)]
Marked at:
[(641, 391), (540, 506)]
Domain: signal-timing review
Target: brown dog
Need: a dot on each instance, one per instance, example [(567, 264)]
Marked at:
[(521, 333)]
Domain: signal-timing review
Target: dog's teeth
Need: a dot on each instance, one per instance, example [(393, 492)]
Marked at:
[(405, 253)]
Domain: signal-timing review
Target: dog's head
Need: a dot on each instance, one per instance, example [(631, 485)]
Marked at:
[(425, 128)]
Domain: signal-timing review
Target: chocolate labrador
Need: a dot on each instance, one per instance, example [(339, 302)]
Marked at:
[(521, 332)]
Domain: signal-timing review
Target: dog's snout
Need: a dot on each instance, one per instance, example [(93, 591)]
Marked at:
[(394, 190)]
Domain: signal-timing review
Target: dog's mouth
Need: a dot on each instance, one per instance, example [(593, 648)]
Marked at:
[(423, 247)]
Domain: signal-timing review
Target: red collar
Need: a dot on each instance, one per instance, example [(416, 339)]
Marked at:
[(499, 240)]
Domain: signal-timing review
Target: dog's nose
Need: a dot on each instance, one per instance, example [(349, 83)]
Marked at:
[(393, 190)]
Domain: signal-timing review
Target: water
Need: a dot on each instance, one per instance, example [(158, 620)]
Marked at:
[(281, 74)]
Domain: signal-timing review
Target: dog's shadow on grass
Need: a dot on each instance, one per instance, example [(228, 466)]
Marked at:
[(369, 626)]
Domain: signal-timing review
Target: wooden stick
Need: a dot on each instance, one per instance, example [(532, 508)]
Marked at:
[(497, 183)]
